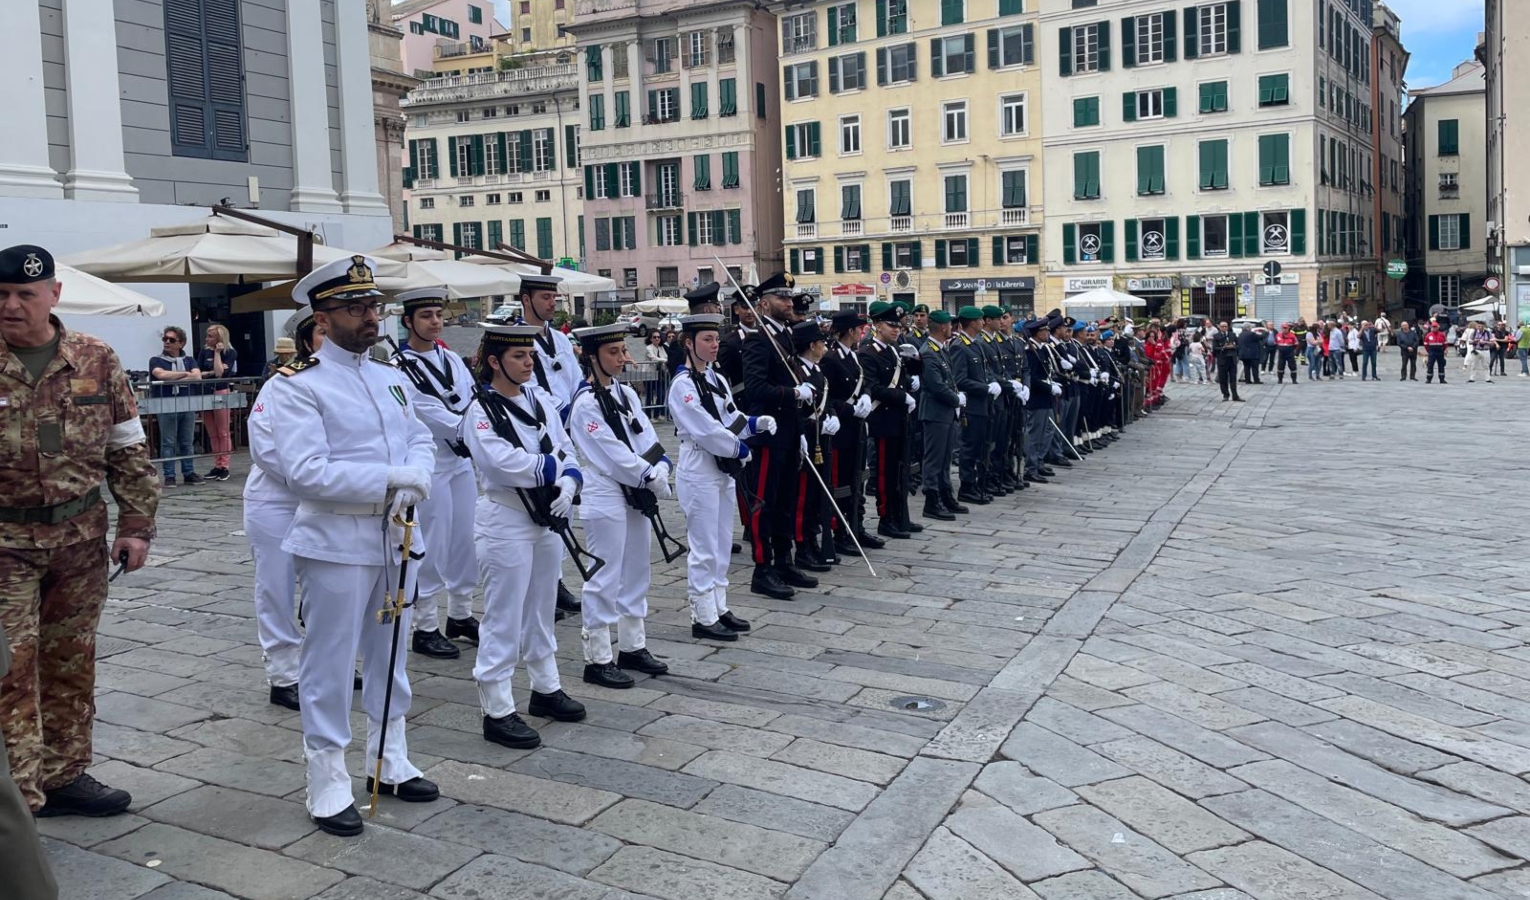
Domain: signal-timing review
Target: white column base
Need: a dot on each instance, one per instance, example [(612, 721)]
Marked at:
[(312, 199), (30, 181), (365, 203), (109, 186)]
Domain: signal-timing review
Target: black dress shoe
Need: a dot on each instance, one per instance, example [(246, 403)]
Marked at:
[(557, 706), (806, 559), (734, 622), (1063, 463), (967, 495), (416, 790), (737, 547), (356, 682), (892, 531), (795, 577), (434, 645), (870, 541), (1047, 471), (952, 506), (911, 527), (607, 675), (346, 823), (285, 695), (768, 582), (84, 796), (511, 732), (641, 661), (934, 509), (1037, 479), (566, 599), (846, 549), (717, 631), (462, 629)]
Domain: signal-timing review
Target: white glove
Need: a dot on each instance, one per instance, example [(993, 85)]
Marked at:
[(910, 402), (1093, 372), (961, 398), (765, 425), (1056, 388), (802, 447), (1014, 387), (403, 498), (563, 504), (658, 480), (1067, 365), (914, 382), (1115, 385), (862, 407), (804, 392), (993, 389), (831, 426), (411, 477), (908, 351), (1025, 394)]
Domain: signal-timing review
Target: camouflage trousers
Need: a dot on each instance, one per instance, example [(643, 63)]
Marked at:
[(50, 605)]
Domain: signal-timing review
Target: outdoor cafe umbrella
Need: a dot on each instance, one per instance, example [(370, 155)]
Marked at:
[(87, 295), (425, 267), (574, 281)]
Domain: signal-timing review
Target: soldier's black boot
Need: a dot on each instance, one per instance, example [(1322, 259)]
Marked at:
[(434, 645), (557, 706), (462, 629), (285, 695), (566, 599), (717, 631), (768, 582), (935, 509), (795, 577), (511, 732), (808, 559), (84, 796)]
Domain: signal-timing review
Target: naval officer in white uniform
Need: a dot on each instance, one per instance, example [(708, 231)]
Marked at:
[(440, 389), (352, 451)]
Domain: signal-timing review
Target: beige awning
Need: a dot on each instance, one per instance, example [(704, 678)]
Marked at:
[(87, 295), (574, 281), (424, 267)]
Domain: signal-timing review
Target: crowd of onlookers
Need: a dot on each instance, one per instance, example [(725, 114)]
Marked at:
[(177, 374)]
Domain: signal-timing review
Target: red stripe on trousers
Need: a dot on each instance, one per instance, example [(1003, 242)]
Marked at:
[(802, 487), (881, 478), (834, 484), (760, 538)]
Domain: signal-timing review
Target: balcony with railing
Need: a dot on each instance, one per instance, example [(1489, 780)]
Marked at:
[(850, 227), (957, 220), (900, 224), (1017, 215), (489, 85), (912, 226), (666, 200), (799, 43), (807, 229)]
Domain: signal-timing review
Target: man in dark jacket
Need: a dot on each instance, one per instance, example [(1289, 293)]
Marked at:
[(940, 403), (1224, 346), (1251, 353), (1407, 344), (969, 369), (890, 385)]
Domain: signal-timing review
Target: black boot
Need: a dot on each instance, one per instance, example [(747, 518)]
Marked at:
[(733, 622), (869, 541), (911, 527), (890, 529), (795, 577), (949, 502), (556, 705), (807, 559), (969, 494), (607, 675), (641, 660), (462, 629), (434, 645), (285, 695), (416, 790), (84, 796), (717, 631), (511, 732), (935, 509), (768, 582), (346, 823), (566, 599)]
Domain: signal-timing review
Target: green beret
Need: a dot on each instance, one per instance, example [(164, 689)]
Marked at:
[(883, 311), (904, 307), (921, 308), (939, 316), (992, 312), (969, 314)]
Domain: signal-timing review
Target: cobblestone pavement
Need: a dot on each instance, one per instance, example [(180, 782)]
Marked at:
[(1272, 650)]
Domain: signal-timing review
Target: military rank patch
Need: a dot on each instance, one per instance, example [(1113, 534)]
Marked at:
[(398, 394), (298, 365)]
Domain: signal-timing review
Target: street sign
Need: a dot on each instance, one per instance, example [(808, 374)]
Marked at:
[(1272, 268), (886, 277), (1397, 269), (1491, 283)]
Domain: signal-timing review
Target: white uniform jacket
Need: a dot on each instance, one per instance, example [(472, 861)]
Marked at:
[(721, 435), (608, 461), (440, 407), (502, 466)]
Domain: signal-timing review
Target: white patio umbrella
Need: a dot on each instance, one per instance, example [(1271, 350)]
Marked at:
[(87, 295), (216, 250), (574, 281), (1103, 297), (424, 267)]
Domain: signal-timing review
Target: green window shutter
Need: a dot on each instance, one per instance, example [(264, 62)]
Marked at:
[(1070, 244), (1434, 232), (1298, 227), (527, 162), (881, 65), (1251, 234), (815, 148), (993, 48), (501, 148), (544, 238), (1272, 24), (720, 230), (589, 182), (570, 147), (1032, 250), (518, 234), (735, 226), (940, 254), (496, 234), (1234, 26), (882, 19), (1434, 289), (1170, 36), (1192, 237), (690, 228), (1171, 238), (839, 259), (1129, 106), (451, 155), (1128, 42), (435, 160), (698, 99), (1086, 112), (414, 156), (457, 233), (1449, 137), (998, 251), (833, 74), (1234, 235), (937, 59), (795, 259), (791, 142), (1131, 240), (1103, 30), (972, 253), (1282, 148), (1465, 221), (1170, 102), (637, 179), (475, 155), (1065, 50), (1011, 7), (833, 26), (887, 248), (1213, 164), (1108, 242), (1267, 158), (951, 12), (916, 254), (1192, 33)]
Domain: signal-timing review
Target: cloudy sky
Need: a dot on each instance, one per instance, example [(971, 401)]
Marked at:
[(1439, 34)]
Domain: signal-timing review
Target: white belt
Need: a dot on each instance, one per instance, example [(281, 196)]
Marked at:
[(344, 509)]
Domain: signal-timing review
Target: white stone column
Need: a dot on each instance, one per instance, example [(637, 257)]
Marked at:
[(97, 169), (745, 74), (358, 165), (313, 181), (714, 99), (608, 84), (24, 167), (636, 96)]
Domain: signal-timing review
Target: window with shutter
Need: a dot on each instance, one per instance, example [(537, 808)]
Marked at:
[(727, 97), (1150, 170), (892, 17), (1086, 112), (622, 109), (730, 169), (205, 79), (597, 112), (1214, 97), (1273, 27), (1449, 137), (1213, 165), (900, 198), (703, 168), (1086, 175), (593, 64), (850, 201), (1012, 189), (956, 193), (735, 226), (1274, 159), (805, 211), (952, 12), (1011, 7), (698, 100), (1274, 90)]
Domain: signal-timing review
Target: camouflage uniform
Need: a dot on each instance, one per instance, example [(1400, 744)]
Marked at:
[(59, 438), (21, 855)]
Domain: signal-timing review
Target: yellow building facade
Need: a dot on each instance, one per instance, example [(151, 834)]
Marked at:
[(912, 164)]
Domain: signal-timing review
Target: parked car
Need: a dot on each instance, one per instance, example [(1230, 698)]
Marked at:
[(639, 323), (504, 315)]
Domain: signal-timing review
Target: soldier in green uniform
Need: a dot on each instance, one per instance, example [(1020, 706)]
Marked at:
[(68, 424)]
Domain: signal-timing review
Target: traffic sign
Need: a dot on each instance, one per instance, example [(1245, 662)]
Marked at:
[(1397, 269), (1491, 283), (886, 277), (1272, 268)]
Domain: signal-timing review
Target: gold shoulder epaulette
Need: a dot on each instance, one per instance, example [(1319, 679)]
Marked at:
[(297, 365)]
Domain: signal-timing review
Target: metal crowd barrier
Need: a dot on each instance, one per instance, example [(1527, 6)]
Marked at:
[(161, 401), (651, 382)]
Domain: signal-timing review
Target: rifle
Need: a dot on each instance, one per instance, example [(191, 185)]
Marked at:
[(641, 499), (538, 500)]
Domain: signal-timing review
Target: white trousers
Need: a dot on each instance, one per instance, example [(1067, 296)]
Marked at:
[(618, 593), (1477, 364), (707, 499), (276, 621), (340, 605), (450, 566), (520, 562)]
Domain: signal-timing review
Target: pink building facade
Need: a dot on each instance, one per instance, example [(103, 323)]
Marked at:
[(679, 142), (434, 29)]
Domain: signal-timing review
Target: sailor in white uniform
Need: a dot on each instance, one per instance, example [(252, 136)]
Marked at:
[(351, 450), (268, 511), (623, 464), (440, 388), (529, 475), (712, 453)]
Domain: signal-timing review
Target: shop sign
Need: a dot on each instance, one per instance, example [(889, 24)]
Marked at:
[(852, 290), (957, 285), (1151, 285), (1201, 281), (1151, 246), (1080, 285)]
